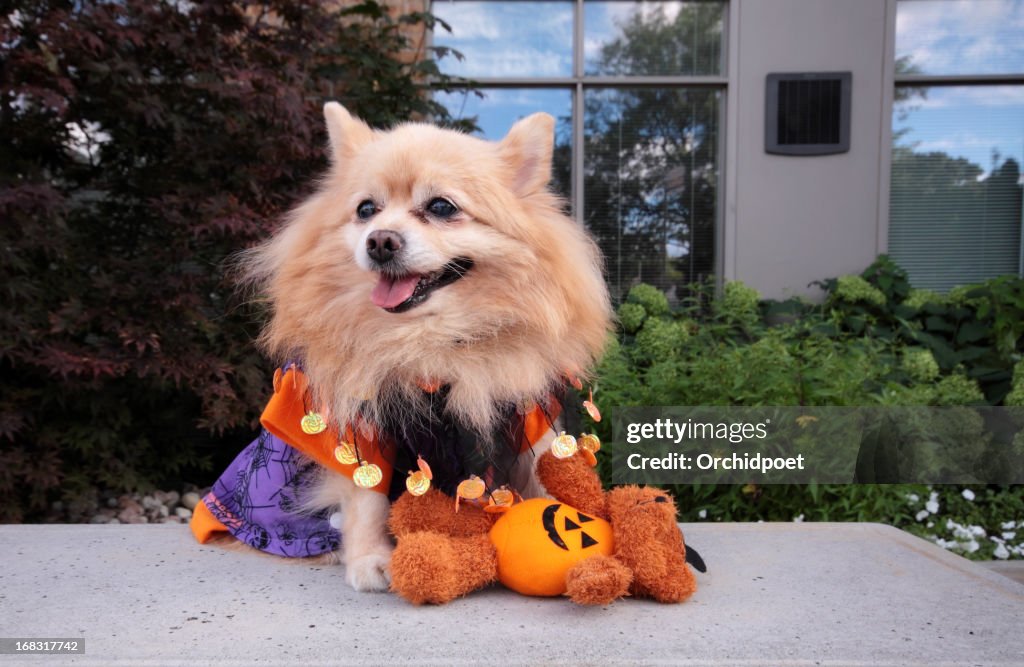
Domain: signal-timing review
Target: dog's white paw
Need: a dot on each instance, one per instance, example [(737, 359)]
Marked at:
[(369, 573)]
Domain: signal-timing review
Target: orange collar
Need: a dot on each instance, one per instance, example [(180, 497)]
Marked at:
[(286, 408)]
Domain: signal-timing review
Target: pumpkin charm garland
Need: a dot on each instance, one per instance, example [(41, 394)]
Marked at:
[(368, 475)]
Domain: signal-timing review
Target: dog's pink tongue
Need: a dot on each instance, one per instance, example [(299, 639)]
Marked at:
[(390, 292)]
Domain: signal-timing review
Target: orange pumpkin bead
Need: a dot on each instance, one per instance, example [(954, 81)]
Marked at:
[(424, 468), (563, 446), (590, 442), (345, 453), (417, 483), (367, 475), (471, 488), (313, 423)]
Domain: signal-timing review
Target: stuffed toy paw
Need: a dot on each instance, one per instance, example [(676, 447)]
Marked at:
[(592, 546)]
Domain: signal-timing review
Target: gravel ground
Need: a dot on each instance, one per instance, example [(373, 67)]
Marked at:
[(109, 507)]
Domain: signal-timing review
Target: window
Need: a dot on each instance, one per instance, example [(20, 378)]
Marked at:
[(638, 92), (958, 141)]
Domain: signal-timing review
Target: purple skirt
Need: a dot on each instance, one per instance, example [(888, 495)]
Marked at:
[(259, 497)]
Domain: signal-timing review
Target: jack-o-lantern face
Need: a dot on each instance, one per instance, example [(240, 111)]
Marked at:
[(548, 519), (538, 540)]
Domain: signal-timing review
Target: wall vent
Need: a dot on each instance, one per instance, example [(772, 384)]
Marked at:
[(807, 113)]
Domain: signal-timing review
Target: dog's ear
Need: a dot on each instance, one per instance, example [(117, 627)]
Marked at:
[(527, 148), (347, 134)]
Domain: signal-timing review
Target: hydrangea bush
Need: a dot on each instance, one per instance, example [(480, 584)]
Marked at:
[(872, 341)]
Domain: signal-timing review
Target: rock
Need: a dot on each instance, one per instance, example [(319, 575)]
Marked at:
[(163, 511), (57, 506), (150, 503), (111, 502), (172, 498), (126, 500), (183, 512), (99, 518), (126, 516), (190, 500)]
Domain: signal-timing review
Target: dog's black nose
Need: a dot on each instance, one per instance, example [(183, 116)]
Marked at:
[(661, 499), (383, 244)]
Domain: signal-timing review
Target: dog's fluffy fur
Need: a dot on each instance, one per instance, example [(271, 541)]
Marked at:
[(532, 308)]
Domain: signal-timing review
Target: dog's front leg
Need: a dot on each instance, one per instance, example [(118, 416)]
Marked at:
[(365, 544)]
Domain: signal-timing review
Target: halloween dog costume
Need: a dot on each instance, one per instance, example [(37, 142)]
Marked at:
[(591, 545), (258, 498)]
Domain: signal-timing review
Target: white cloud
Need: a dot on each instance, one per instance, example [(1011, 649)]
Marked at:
[(942, 97), (469, 21), (512, 60), (962, 36)]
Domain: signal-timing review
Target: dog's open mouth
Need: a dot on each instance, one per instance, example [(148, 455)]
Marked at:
[(397, 294)]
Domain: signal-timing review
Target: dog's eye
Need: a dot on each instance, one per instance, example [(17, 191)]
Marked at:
[(442, 208), (366, 209)]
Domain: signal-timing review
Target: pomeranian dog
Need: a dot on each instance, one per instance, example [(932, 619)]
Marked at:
[(431, 259)]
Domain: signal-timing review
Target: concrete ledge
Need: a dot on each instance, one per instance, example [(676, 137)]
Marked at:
[(780, 594)]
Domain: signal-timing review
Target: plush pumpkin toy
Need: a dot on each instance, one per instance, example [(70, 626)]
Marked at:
[(593, 546)]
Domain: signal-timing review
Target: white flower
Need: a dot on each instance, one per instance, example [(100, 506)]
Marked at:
[(922, 515), (1009, 535), (703, 514), (1001, 553), (931, 524), (913, 498), (977, 531), (971, 546), (968, 494), (798, 519), (932, 506), (1008, 525)]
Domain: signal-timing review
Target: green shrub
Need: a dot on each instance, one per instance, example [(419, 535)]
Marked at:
[(874, 341), (631, 316), (653, 300), (920, 364), (660, 339), (853, 289), (739, 303)]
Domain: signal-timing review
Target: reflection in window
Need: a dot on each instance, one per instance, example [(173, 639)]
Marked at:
[(653, 38), (976, 37), (650, 184), (956, 188), (650, 163), (506, 39), (499, 108)]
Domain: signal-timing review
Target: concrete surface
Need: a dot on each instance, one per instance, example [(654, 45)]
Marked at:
[(778, 594), (1014, 569)]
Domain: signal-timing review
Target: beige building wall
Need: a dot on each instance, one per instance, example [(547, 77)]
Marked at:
[(792, 220)]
